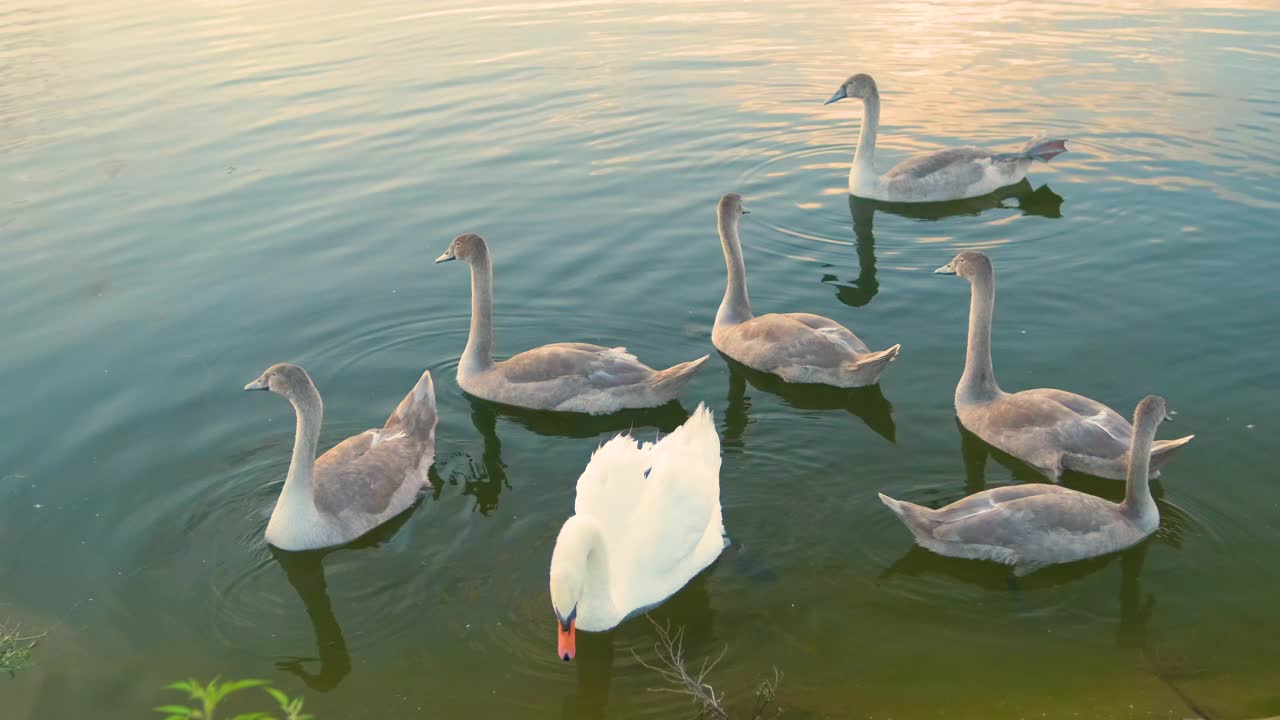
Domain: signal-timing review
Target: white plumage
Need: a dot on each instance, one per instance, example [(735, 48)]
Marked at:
[(647, 520)]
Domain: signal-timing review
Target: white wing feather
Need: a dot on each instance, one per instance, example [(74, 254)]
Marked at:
[(612, 485), (681, 503), (658, 507)]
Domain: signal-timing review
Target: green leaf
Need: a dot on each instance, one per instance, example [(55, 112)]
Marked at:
[(279, 696), (185, 685), (253, 716), (238, 685), (217, 693), (174, 710)]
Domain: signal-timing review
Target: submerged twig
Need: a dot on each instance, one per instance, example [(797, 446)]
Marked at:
[(672, 667)]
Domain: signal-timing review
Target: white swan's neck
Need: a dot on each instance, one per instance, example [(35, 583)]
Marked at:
[(1138, 503), (296, 497), (478, 355), (735, 307), (978, 384), (864, 158), (581, 551)]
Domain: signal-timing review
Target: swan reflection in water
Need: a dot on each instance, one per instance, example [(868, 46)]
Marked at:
[(305, 573), (866, 403), (858, 292)]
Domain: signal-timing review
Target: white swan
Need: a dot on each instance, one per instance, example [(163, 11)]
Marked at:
[(357, 484), (569, 377), (1051, 430), (1038, 524), (797, 347), (647, 520), (950, 174)]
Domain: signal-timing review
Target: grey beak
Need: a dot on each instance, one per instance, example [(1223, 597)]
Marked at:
[(948, 269), (1168, 417), (256, 385), (444, 257), (746, 211), (840, 95)]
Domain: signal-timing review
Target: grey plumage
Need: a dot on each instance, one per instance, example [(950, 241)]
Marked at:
[(798, 347), (357, 484), (1052, 430), (961, 159), (570, 377), (948, 174), (1031, 526)]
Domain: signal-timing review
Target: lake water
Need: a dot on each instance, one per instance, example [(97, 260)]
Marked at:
[(195, 190)]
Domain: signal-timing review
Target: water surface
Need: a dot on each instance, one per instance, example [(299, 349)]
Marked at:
[(193, 191)]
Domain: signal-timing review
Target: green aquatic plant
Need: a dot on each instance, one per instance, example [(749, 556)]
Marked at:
[(672, 666), (15, 649), (208, 697)]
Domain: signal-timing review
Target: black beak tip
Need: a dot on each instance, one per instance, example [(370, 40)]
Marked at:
[(566, 657)]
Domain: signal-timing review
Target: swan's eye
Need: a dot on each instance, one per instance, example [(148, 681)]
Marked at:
[(564, 622)]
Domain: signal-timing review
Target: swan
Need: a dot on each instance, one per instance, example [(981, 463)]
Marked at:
[(1051, 430), (646, 521), (569, 377), (1038, 524), (797, 347), (357, 484), (951, 174)]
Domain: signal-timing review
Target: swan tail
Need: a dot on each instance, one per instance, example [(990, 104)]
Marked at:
[(1163, 450), (1038, 148), (416, 414), (918, 519), (666, 384), (874, 363), (698, 431)]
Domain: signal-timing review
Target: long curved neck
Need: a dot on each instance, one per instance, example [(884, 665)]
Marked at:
[(306, 436), (978, 383), (1137, 490), (582, 544), (478, 354), (735, 307), (864, 157)]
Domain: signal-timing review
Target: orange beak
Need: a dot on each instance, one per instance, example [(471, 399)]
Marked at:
[(566, 648)]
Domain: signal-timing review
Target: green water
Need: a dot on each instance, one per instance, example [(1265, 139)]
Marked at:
[(192, 191)]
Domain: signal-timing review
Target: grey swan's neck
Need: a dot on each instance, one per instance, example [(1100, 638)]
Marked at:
[(864, 158), (309, 410), (1138, 503), (478, 355), (735, 307), (978, 384)]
